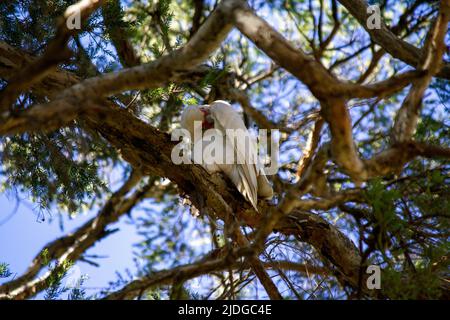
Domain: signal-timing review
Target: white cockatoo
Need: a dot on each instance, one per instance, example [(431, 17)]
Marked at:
[(245, 171)]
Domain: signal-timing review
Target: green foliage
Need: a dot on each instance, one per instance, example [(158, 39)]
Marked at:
[(413, 253), (165, 15), (51, 172), (4, 270), (382, 199), (54, 287), (421, 284), (32, 28), (45, 259), (113, 18), (383, 205), (212, 77), (158, 247), (77, 292), (158, 17), (153, 295)]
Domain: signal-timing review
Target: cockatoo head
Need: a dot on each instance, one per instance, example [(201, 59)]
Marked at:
[(196, 113)]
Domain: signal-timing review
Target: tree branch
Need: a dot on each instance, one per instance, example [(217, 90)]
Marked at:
[(384, 37), (113, 19), (72, 246), (56, 52), (408, 115)]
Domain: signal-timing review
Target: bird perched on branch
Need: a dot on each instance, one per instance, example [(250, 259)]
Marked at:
[(245, 170)]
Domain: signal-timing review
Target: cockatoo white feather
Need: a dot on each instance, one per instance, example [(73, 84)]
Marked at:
[(245, 172)]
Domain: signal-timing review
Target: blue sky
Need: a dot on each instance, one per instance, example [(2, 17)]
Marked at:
[(23, 236)]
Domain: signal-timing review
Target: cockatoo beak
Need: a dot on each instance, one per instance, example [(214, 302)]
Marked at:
[(208, 121)]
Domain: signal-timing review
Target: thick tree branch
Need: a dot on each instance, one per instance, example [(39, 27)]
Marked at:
[(72, 247), (305, 67), (258, 268), (311, 146), (384, 37), (198, 13), (156, 74), (148, 149), (13, 59), (56, 52), (205, 265), (408, 115), (190, 271), (113, 19)]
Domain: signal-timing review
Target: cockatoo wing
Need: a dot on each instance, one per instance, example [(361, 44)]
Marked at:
[(243, 173)]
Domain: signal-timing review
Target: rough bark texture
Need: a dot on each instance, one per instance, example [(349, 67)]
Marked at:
[(148, 150)]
